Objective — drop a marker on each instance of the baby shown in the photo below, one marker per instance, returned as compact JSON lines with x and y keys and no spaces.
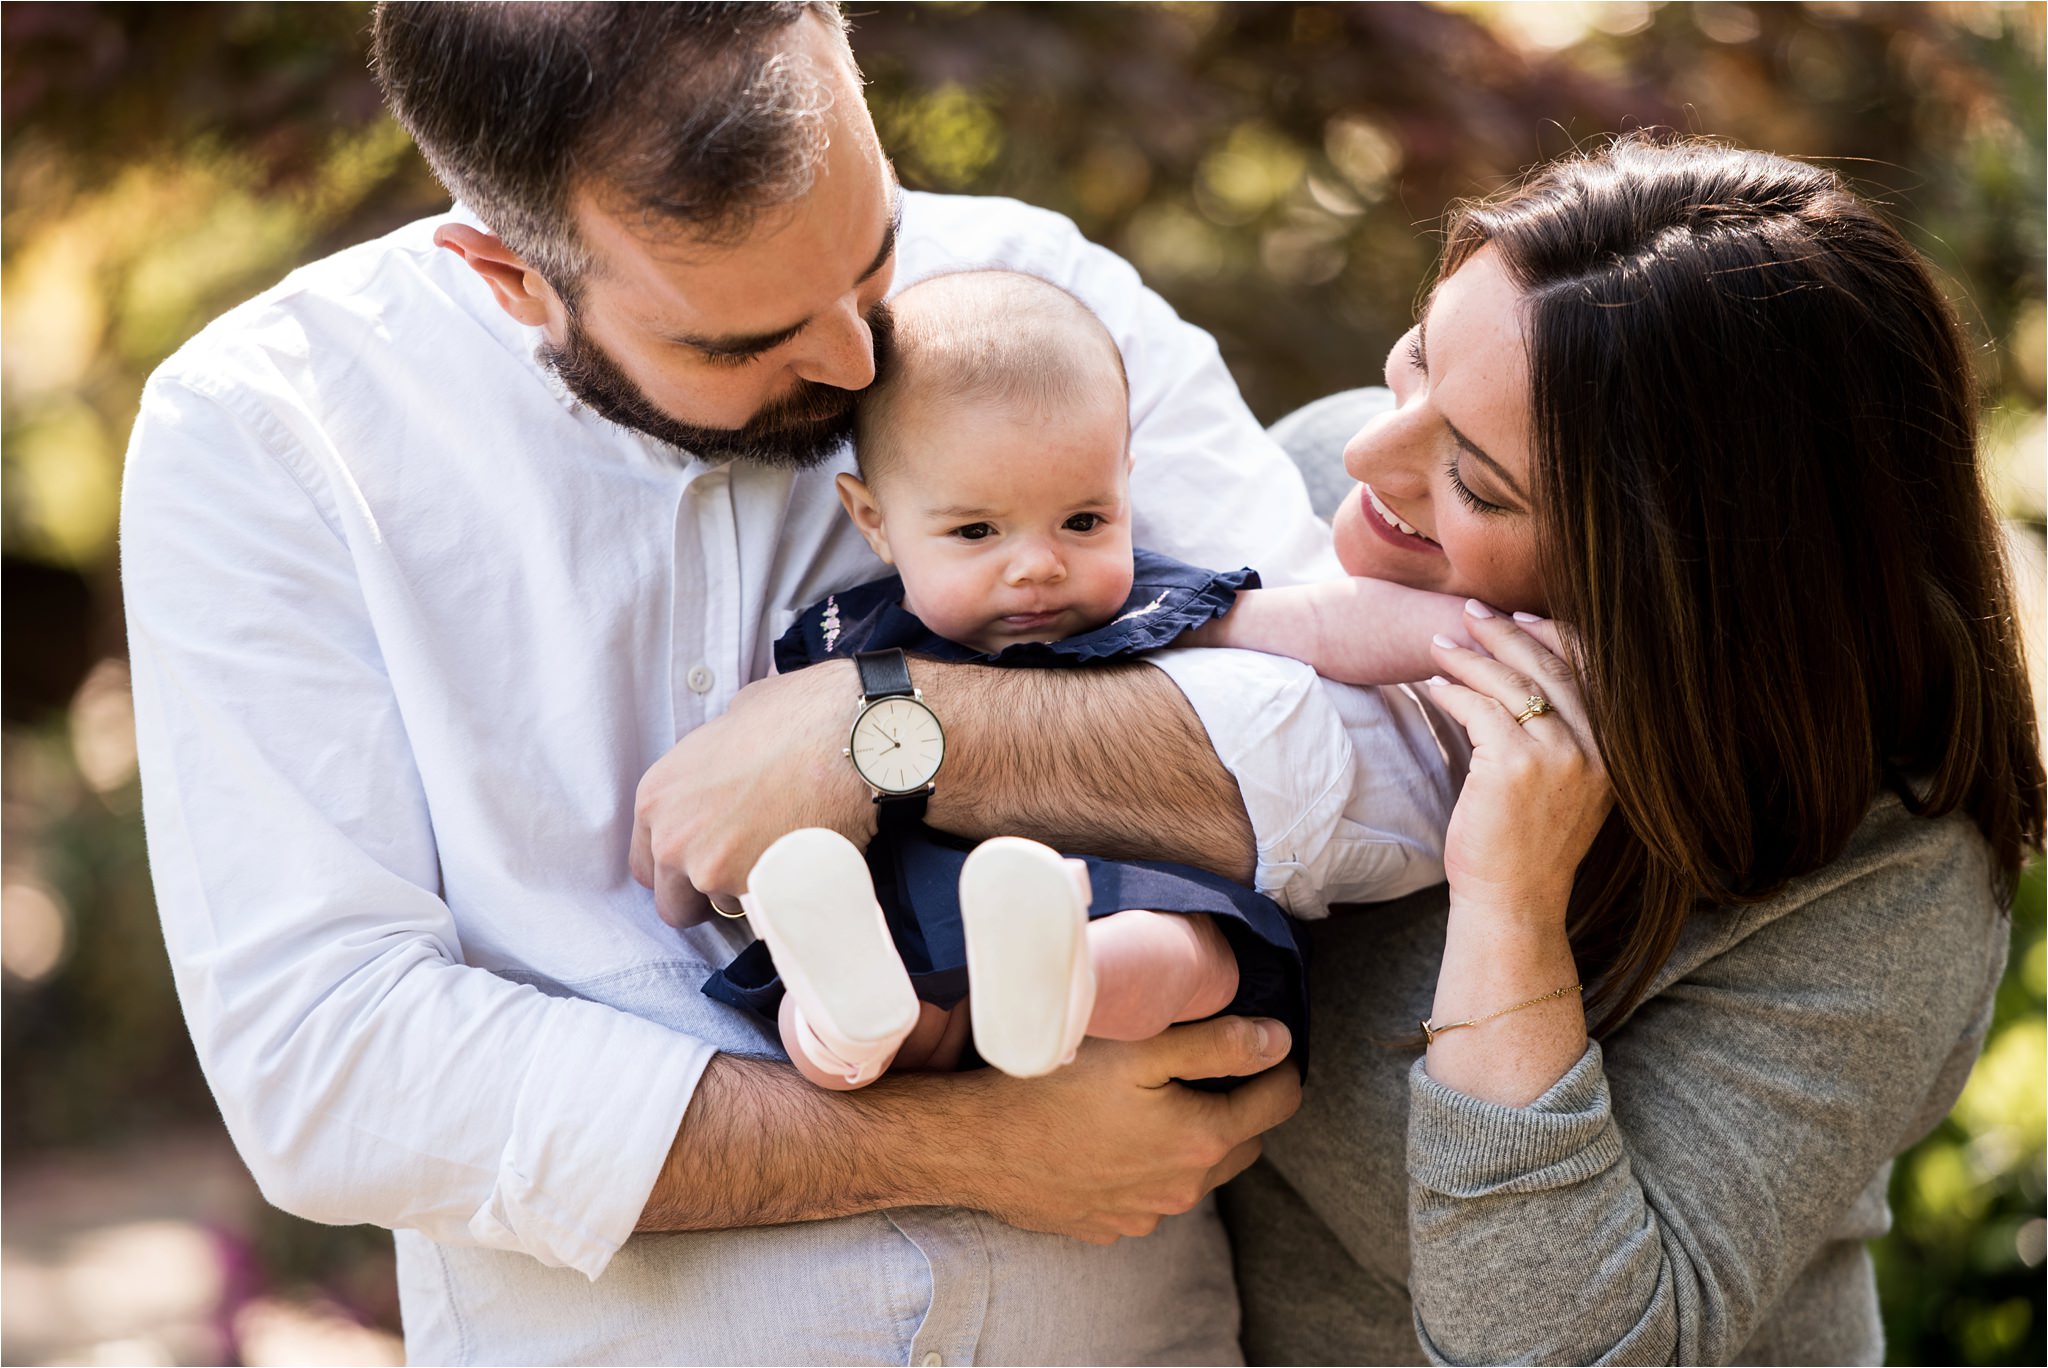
{"x":994,"y":453}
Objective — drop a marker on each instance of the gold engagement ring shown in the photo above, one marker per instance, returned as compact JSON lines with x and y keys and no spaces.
{"x":1535,"y":705}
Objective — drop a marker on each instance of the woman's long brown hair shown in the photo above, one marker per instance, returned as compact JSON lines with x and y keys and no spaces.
{"x":1761,"y":512}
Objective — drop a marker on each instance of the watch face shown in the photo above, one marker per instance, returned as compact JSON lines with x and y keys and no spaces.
{"x":897,"y":744}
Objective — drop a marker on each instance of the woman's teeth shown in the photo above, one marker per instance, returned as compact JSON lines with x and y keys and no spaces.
{"x":1388,"y":514}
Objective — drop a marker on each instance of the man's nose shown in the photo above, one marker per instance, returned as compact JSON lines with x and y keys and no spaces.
{"x":841,"y":349}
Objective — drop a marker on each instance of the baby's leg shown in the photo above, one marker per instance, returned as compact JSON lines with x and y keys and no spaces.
{"x":936,"y":1043}
{"x":1155,"y":968}
{"x":849,"y":1004}
{"x":818,"y":1065}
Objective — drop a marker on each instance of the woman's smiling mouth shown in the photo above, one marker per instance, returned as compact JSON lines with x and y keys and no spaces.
{"x":1389,"y":524}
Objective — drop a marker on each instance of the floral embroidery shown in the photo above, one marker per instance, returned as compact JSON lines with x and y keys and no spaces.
{"x":831,"y":622}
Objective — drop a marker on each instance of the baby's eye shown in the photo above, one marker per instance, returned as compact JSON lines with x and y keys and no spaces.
{"x":1084,"y":522}
{"x":973,"y":531}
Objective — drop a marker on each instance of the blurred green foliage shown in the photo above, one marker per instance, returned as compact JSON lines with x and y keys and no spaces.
{"x":1275,"y":170}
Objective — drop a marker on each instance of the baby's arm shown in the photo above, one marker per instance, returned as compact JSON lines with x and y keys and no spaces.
{"x":1357,"y":631}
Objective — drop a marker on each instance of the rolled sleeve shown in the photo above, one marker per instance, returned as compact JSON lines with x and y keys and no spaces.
{"x":1407,"y":763}
{"x":1345,"y":790}
{"x":1461,"y":1147}
{"x":364,"y":1071}
{"x":573,"y":1194}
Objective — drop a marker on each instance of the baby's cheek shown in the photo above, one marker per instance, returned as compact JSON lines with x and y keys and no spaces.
{"x":1117,"y":573}
{"x":950,"y":607}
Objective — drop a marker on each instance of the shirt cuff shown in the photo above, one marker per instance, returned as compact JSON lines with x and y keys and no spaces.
{"x":1283,"y":742}
{"x":1461,"y":1147}
{"x":596,"y":1116}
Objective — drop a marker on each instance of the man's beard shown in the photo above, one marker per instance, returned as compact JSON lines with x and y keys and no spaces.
{"x":800,"y":430}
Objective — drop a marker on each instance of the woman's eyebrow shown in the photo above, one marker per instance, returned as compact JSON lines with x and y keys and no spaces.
{"x":1470,"y":447}
{"x":1498,"y":471}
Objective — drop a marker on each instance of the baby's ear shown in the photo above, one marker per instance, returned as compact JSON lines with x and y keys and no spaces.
{"x":860,"y":505}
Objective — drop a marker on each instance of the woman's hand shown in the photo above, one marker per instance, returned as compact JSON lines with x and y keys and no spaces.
{"x":1537,"y":793}
{"x":1531,"y":806}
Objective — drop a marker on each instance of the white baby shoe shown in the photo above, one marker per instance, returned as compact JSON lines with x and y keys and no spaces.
{"x":1030,"y":980}
{"x":809,"y":896}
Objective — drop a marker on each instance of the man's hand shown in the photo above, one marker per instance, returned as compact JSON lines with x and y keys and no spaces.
{"x":706,"y":810}
{"x":1107,"y":1146}
{"x":1102,"y":1149}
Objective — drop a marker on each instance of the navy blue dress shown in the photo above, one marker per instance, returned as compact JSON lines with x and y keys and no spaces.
{"x":916,"y":870}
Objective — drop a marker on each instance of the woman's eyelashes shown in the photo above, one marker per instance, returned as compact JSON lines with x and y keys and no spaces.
{"x":1464,"y":492}
{"x":1458,"y":485}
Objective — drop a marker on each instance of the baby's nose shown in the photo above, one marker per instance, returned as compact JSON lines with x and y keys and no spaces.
{"x":1036,"y":563}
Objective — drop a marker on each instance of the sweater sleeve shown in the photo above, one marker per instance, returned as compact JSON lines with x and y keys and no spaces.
{"x":1658,"y":1200}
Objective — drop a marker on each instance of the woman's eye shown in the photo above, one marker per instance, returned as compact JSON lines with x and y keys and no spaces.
{"x":1464,"y":492}
{"x":1084,"y":522}
{"x":1415,"y":352}
{"x":973,"y":531}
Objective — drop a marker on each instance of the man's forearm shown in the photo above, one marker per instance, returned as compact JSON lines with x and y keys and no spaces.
{"x":760,"y":1146}
{"x":1098,"y":1150}
{"x":1109,"y":761}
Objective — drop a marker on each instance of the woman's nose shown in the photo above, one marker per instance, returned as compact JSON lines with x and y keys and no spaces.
{"x":1390,"y":452}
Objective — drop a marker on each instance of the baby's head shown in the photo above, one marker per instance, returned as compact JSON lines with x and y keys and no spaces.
{"x":995,"y":462}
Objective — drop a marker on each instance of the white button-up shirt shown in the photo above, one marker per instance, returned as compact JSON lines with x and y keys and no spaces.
{"x":408,"y":623}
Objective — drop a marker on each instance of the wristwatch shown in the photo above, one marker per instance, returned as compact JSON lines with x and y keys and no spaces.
{"x":897,"y":743}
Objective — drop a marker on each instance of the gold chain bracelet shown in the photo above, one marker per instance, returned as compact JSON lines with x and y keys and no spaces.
{"x":1431,"y":1031}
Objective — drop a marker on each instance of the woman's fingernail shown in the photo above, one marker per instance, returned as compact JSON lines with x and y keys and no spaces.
{"x":1445,"y":642}
{"x":1527,"y":617}
{"x":1474,"y":608}
{"x":1438,"y":681}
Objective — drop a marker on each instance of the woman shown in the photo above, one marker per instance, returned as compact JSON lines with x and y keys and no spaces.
{"x":1726,"y":906}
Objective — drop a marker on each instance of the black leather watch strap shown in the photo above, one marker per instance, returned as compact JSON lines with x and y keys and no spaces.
{"x":899,"y":811}
{"x":883,"y":674}
{"x":886,"y":674}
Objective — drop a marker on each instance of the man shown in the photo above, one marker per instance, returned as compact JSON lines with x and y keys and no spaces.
{"x":435,"y":549}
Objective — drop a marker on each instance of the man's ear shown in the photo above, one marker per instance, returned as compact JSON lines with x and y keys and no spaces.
{"x":860,"y":505}
{"x":519,"y":289}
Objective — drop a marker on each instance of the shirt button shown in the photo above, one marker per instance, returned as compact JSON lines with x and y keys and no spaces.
{"x":699,"y":679}
{"x":931,"y":1361}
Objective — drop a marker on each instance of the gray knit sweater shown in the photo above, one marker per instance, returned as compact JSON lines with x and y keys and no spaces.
{"x":1696,"y":1190}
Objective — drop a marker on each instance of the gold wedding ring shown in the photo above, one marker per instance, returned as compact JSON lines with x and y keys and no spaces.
{"x":712,"y":898}
{"x":1535,"y":705}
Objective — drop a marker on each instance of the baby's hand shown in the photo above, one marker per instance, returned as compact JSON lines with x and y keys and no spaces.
{"x":1358,"y":631}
